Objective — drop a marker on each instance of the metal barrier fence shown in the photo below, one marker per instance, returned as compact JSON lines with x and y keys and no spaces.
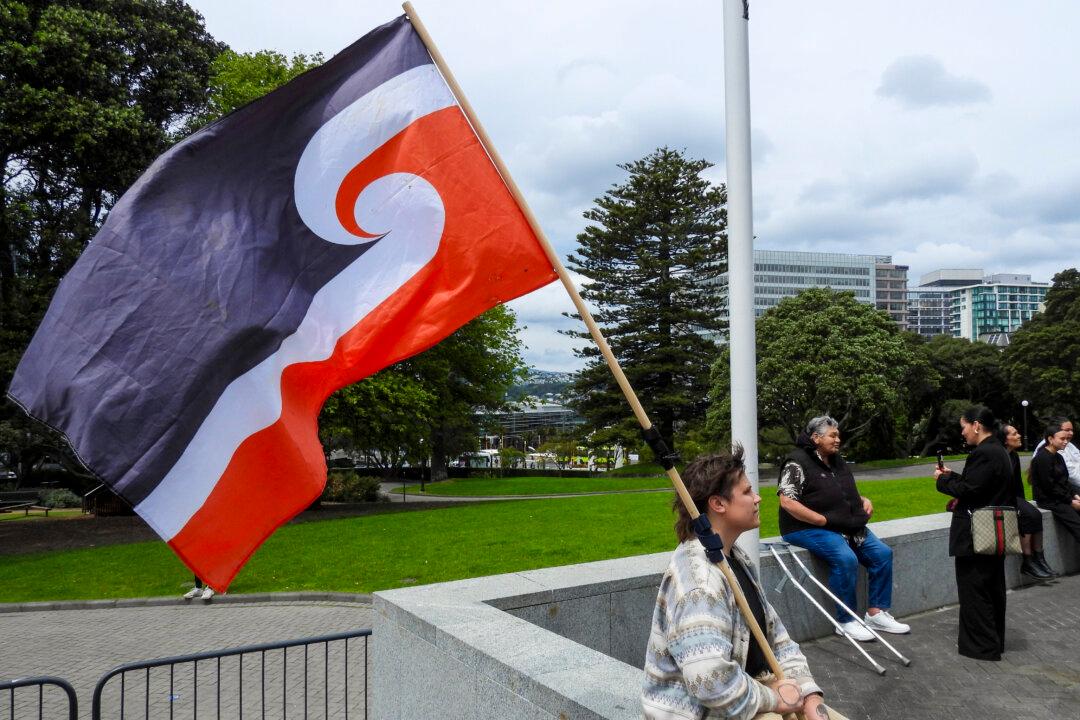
{"x":307,"y":678}
{"x":39,"y":682}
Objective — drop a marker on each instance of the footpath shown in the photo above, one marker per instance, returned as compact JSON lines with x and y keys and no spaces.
{"x":81,"y":645}
{"x":1039,"y":676}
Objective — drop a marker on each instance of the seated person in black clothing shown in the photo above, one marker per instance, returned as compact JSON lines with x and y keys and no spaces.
{"x":1031,"y":522}
{"x":1049,"y":478}
{"x":821,"y":510}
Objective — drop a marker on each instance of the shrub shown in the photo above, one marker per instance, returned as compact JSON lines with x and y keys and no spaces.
{"x":348,"y":486}
{"x":61,"y":498}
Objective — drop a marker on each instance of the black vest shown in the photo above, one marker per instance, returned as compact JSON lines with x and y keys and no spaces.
{"x":827,"y":489}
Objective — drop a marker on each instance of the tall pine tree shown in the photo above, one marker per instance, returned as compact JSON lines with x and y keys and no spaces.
{"x":653,"y":251}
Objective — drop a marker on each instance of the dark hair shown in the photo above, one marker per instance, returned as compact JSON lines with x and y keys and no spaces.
{"x":1051,"y":430}
{"x":982,"y":415}
{"x":707,"y":476}
{"x":1002,"y":434}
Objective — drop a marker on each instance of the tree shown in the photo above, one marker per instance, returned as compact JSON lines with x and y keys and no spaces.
{"x":237,"y":79}
{"x":653,"y":252}
{"x":820,"y":352}
{"x":428,"y":405}
{"x":90,"y":93}
{"x":469,"y":373}
{"x":906,"y":431}
{"x":510,"y":458}
{"x":379,"y":418}
{"x":1042,"y":362}
{"x":563,"y":446}
{"x":964,"y":371}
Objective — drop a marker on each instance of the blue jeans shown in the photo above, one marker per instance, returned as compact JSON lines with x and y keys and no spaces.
{"x":844,"y":560}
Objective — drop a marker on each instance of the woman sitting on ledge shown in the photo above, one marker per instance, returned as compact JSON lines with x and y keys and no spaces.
{"x":1049,"y":477}
{"x":1030,"y":519}
{"x":702,"y":661}
{"x":821,"y":510}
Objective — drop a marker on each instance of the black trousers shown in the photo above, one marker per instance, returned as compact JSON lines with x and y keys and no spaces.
{"x":1065,"y":514}
{"x":980,"y":584}
{"x":1029,"y":517}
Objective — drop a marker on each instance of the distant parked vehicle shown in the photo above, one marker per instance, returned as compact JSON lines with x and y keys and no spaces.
{"x":478,"y":459}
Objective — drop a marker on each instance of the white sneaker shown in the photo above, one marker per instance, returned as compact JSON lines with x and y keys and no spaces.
{"x":884,"y":622}
{"x":207,"y":593}
{"x":853,"y":629}
{"x":192,"y":593}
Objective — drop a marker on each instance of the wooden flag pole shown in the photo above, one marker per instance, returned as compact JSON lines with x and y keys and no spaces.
{"x":586,"y":316}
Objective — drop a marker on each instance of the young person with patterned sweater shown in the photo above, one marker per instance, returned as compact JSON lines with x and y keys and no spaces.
{"x":702,"y":661}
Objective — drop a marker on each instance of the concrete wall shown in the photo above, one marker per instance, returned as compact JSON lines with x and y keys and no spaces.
{"x":568,"y":642}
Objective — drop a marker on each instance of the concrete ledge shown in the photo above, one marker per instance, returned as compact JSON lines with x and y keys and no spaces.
{"x":176,"y":600}
{"x":568,"y":642}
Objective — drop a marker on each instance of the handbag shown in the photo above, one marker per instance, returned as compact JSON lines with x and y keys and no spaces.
{"x":995,"y":530}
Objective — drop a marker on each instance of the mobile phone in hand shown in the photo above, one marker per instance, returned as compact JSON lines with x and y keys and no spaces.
{"x":940,"y":462}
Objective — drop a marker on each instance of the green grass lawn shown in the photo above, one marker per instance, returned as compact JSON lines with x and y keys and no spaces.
{"x":641,"y":469}
{"x":484,"y":487}
{"x":393,"y":550}
{"x":39,"y":514}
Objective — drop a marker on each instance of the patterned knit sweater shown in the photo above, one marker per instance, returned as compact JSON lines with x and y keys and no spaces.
{"x":697,"y":648}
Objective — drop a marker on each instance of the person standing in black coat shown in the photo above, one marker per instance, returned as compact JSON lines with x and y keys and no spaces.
{"x":980,"y":579}
{"x":1049,"y":477}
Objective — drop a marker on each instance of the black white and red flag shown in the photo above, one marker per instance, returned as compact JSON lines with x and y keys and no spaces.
{"x":344,"y":222}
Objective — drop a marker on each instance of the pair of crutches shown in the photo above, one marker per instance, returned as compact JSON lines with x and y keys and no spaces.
{"x":806,"y":571}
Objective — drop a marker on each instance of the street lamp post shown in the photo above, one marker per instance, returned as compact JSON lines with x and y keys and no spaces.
{"x":1024,"y":404}
{"x":423,"y":465}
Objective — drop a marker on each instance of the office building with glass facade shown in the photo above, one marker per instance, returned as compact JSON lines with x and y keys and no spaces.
{"x":928,"y":311}
{"x":873,"y":279}
{"x":891,"y":294}
{"x":992,"y":311}
{"x":965,"y":303}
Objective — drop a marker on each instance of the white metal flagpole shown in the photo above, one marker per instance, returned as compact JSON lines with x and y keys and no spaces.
{"x":740,"y":232}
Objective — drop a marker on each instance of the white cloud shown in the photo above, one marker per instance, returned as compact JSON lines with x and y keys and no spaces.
{"x":949,"y":173}
{"x":541,"y":314}
{"x":1055,"y":202}
{"x":922,"y":81}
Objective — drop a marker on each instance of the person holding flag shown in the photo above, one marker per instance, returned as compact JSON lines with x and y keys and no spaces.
{"x":701,"y":661}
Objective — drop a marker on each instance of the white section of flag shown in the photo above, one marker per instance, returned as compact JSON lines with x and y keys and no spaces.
{"x":356,"y":132}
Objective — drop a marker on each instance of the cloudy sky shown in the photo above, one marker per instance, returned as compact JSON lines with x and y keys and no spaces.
{"x":946,"y":134}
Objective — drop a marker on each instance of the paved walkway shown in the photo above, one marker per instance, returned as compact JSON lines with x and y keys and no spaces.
{"x":1038,"y":676}
{"x":82,"y":645}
